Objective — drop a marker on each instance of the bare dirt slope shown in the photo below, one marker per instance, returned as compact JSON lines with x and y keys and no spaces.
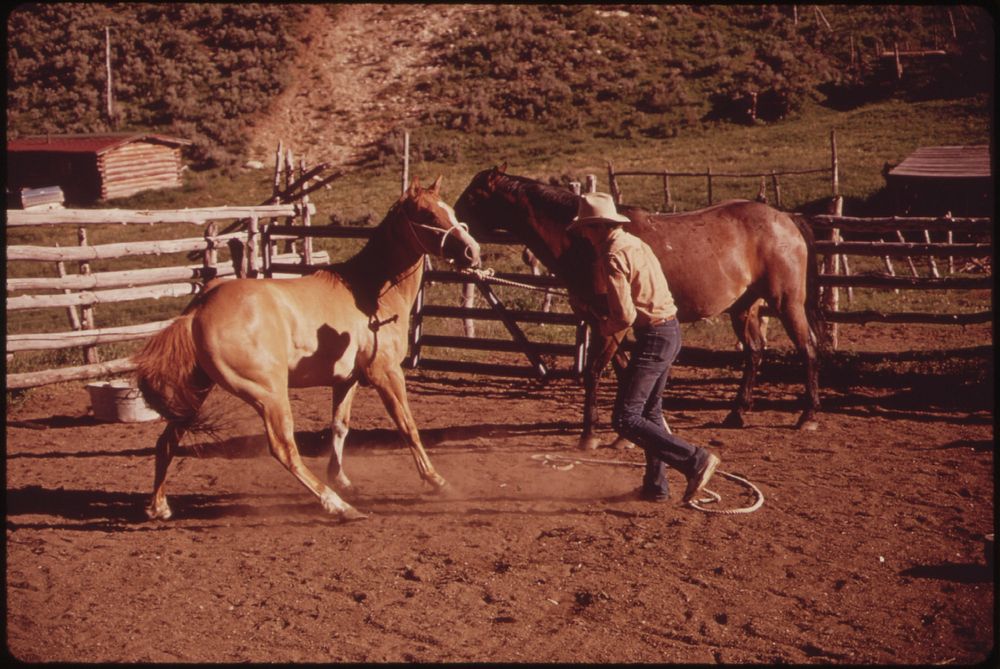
{"x":351,"y":83}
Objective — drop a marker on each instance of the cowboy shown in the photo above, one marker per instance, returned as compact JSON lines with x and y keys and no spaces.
{"x":637,"y":295}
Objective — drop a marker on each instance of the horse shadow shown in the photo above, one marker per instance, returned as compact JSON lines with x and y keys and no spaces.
{"x":95,"y":510}
{"x":951,"y":571}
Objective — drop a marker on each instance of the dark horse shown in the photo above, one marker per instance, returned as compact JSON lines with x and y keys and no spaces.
{"x":724,"y":258}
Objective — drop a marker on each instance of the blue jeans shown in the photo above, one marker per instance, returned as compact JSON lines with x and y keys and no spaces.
{"x":638,"y":412}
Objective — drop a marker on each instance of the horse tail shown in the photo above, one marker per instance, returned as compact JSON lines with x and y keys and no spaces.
{"x":169,"y":377}
{"x":814,"y":313}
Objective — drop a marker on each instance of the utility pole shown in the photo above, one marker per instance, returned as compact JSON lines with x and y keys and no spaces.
{"x":107,"y":67}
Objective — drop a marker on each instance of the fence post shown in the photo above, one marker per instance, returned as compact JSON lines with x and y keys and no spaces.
{"x":575,"y":187}
{"x":708,"y":173}
{"x":90,"y":353}
{"x":74,"y":317}
{"x":616,"y":193}
{"x":834,"y":164}
{"x":831,"y":265}
{"x":406,"y":160}
{"x":252,"y":247}
{"x":210,"y":257}
{"x":667,"y":200}
{"x":468,"y":301}
{"x":951,"y":234}
{"x":306,"y":218}
{"x":591,"y":183}
{"x":416,"y":330}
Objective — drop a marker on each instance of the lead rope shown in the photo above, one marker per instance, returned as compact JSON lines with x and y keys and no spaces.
{"x":488,"y":275}
{"x":565,"y":463}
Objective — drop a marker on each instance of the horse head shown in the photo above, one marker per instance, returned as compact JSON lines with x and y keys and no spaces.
{"x":481,"y":205}
{"x":435,"y":227}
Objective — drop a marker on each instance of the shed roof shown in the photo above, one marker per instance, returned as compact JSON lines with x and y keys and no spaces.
{"x":946,"y":162}
{"x":96,"y":144}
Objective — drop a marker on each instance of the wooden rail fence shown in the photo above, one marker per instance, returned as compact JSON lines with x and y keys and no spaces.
{"x":710,"y":176}
{"x":88,"y":289}
{"x":945,"y":226}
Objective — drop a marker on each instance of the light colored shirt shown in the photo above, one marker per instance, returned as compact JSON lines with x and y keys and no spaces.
{"x":630,"y":274}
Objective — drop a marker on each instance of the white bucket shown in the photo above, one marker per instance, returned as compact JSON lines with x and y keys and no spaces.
{"x":119,"y":402}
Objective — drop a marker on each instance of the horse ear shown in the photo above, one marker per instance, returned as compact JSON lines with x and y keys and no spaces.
{"x":436,"y":186}
{"x":414,"y":188}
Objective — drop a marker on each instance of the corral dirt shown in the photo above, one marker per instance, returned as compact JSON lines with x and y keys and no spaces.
{"x":868,"y":548}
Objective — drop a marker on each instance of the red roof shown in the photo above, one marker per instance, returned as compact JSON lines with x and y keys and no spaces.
{"x":946,"y":162}
{"x":96,"y":144}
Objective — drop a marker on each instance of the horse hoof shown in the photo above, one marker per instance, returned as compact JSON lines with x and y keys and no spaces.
{"x":809,"y":425}
{"x":159,"y":512}
{"x":734,"y":419}
{"x":351,"y":514}
{"x":589,"y":444}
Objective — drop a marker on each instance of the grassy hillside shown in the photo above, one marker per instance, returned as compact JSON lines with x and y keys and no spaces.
{"x":619,"y":72}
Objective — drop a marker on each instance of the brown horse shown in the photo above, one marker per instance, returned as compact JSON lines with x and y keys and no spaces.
{"x":724,"y":258}
{"x":346,"y":322}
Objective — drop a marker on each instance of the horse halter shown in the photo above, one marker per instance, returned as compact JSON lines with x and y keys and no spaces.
{"x":456,"y":226}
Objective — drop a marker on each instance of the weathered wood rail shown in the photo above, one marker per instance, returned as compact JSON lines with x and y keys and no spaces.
{"x":88,"y":289}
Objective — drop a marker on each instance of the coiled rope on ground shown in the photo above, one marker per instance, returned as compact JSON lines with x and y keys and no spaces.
{"x":566,"y":462}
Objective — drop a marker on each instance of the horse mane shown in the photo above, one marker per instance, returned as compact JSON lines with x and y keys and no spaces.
{"x":364,"y":272}
{"x":554,"y":201}
{"x":557,"y":204}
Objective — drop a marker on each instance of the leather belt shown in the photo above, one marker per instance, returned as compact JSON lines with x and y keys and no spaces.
{"x":660,"y":321}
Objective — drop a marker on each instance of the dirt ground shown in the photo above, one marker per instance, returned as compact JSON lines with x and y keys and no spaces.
{"x":868,"y":549}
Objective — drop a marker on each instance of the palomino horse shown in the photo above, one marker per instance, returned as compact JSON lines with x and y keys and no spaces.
{"x":346,"y":322}
{"x":724,"y":258}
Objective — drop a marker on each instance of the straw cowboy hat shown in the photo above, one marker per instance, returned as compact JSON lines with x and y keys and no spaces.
{"x":596,"y":208}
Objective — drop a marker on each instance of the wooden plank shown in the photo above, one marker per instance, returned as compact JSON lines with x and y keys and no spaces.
{"x":871,"y":316}
{"x":916,"y":283}
{"x":490,"y":369}
{"x":895,"y":249}
{"x":88,"y":298}
{"x":60,"y":340}
{"x":502,"y":345}
{"x":445,"y":311}
{"x":20,"y":217}
{"x":109,"y":251}
{"x":32,"y":379}
{"x":120,"y":279}
{"x":893,"y":223}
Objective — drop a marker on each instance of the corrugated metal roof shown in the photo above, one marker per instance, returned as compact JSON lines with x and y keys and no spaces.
{"x":946,"y":162}
{"x":96,"y":144}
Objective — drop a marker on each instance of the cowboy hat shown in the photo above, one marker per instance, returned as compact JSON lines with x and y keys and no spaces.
{"x":596,"y":208}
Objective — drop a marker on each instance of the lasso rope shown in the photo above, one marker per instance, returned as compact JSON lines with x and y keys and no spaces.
{"x":565,"y":463}
{"x":489,"y":276}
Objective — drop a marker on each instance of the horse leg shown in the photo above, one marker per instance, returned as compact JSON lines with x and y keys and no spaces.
{"x":746,"y":325}
{"x":166,"y":445}
{"x":600,"y":355}
{"x":391,"y":387}
{"x":797,"y":325}
{"x":343,"y":397}
{"x":276,"y":411}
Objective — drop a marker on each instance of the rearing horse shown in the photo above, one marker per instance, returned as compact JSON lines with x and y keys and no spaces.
{"x":723,"y":258}
{"x":258,"y":337}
